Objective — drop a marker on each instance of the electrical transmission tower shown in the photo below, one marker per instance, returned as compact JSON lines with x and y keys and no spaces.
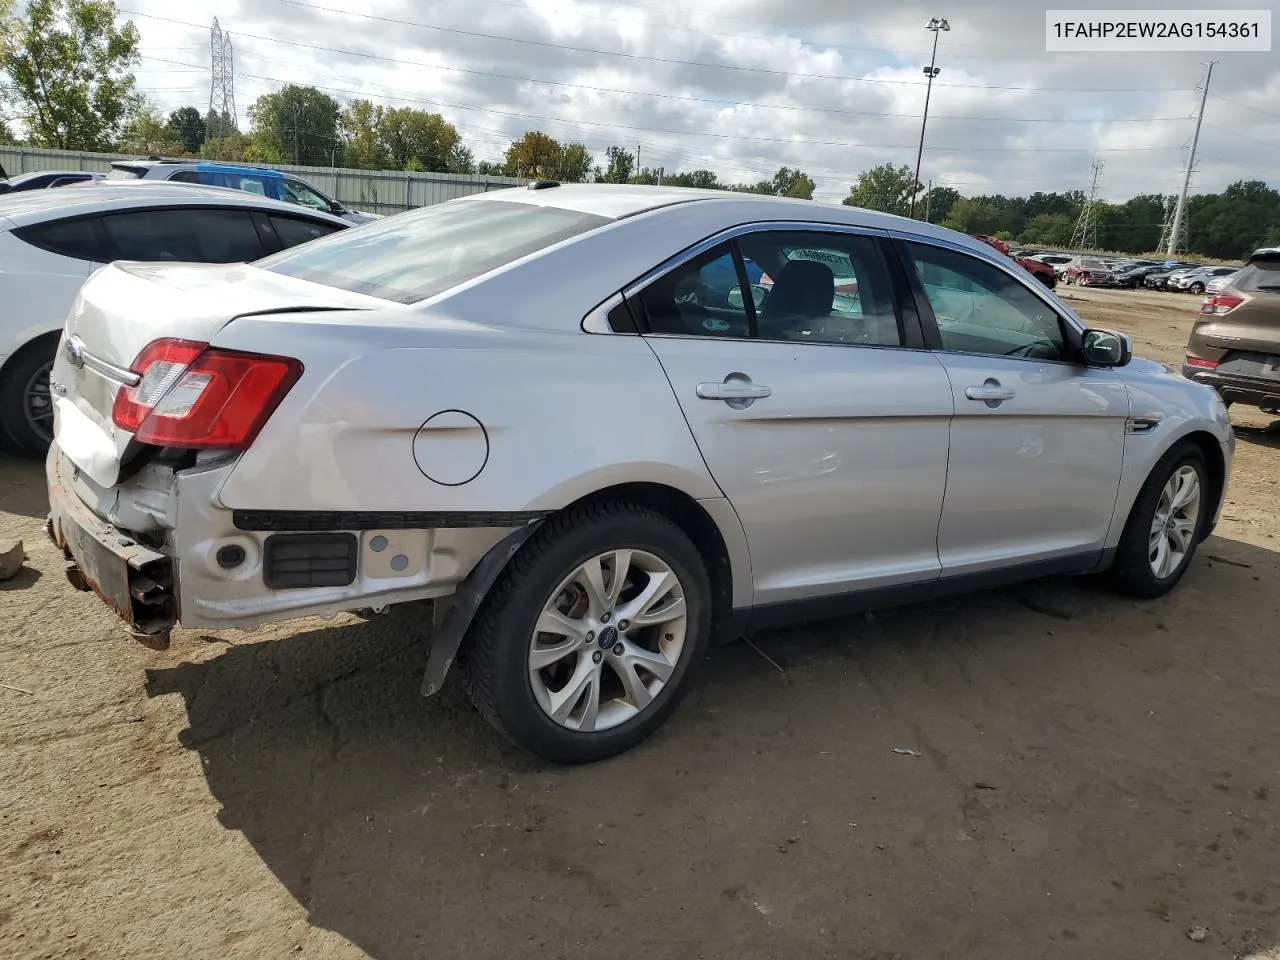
{"x":1085,"y":234}
{"x":222,"y":83}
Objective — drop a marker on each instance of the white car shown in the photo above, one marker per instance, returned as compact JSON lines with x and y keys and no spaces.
{"x":1217,"y":284}
{"x":51,"y":240}
{"x":1197,"y":281}
{"x":543,"y":409}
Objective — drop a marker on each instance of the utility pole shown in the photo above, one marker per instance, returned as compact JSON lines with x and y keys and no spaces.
{"x":661,"y":170}
{"x":937,"y":25}
{"x":1180,"y":211}
{"x":639,"y":169}
{"x":928,"y":200}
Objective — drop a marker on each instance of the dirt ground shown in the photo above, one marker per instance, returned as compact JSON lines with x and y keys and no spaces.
{"x":1096,"y":777}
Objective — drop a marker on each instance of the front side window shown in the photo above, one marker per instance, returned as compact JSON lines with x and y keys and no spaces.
{"x":187,"y":236}
{"x":294,"y":230}
{"x":419,"y":254}
{"x":295,"y":191}
{"x":981,"y":309}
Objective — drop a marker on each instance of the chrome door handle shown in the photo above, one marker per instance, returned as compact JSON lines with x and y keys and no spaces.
{"x":990,"y":393}
{"x":733,"y":390}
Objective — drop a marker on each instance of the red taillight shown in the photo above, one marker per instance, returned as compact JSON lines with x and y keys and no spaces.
{"x":192,"y":395}
{"x":1202,"y":364}
{"x":1221,"y":303}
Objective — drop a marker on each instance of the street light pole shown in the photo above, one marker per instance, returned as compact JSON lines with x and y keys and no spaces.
{"x":937,"y":25}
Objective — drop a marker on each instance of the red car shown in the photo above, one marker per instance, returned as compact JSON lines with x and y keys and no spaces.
{"x":1041,"y":271}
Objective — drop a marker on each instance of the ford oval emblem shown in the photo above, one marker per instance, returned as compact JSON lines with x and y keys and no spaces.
{"x":715,"y":324}
{"x":73,"y":350}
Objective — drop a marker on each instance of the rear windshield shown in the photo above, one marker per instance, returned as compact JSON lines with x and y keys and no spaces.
{"x":415,"y":255}
{"x":126,"y":173}
{"x":1260,"y":275}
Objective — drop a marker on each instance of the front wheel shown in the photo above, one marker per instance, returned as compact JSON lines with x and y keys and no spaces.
{"x":1165,"y":525}
{"x":588,"y":640}
{"x":1197,"y":288}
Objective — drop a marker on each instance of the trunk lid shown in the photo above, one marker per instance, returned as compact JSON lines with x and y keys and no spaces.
{"x":125,"y":306}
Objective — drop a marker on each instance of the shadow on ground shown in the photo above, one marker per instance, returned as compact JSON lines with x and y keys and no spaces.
{"x":1094,"y":776}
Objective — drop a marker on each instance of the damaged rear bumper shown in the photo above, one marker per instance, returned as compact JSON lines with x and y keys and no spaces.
{"x":133,"y":579}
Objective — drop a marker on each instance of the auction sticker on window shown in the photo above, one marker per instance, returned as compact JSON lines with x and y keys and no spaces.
{"x":1142,"y":31}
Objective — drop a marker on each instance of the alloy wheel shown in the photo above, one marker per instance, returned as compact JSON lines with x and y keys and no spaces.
{"x":1173,"y":527}
{"x":608,"y":640}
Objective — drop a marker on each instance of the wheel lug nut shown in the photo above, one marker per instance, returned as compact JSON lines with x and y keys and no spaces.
{"x":597,"y":657}
{"x":591,"y":636}
{"x":617,"y":649}
{"x":624,"y":624}
{"x":604,"y":617}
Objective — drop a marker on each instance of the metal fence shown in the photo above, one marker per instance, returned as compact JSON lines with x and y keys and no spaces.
{"x":374,"y":191}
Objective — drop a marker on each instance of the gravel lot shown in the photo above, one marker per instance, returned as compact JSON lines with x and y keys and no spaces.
{"x":1097,"y":777}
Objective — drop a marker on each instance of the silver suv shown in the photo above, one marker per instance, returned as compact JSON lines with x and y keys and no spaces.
{"x":260,"y":180}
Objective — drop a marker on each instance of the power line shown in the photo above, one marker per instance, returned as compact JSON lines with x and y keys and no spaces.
{"x":615,"y":53}
{"x":720,"y":136}
{"x":1237,"y":103}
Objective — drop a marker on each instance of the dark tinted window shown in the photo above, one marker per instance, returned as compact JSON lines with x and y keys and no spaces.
{"x":185,"y":176}
{"x":702,"y":297}
{"x":193,"y":236}
{"x":415,"y":255}
{"x":293,"y":231}
{"x":70,"y":238}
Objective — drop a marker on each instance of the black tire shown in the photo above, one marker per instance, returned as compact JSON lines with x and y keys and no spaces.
{"x":495,"y":656}
{"x":1196,"y":288}
{"x":18,"y":375}
{"x":1131,"y":572}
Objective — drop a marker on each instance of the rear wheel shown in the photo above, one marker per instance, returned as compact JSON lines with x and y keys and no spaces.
{"x":26,"y":403}
{"x":1165,"y":525}
{"x":587,"y":641}
{"x":1196,"y":288}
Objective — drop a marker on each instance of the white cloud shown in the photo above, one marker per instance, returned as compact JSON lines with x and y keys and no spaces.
{"x":747,"y":86}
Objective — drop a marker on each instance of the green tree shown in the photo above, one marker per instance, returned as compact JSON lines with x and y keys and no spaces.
{"x":407,"y":133}
{"x":534,"y":155}
{"x":68,"y":67}
{"x":1049,"y":229}
{"x":491,"y":168}
{"x":936,"y":203}
{"x":886,"y":188}
{"x":299,"y":124}
{"x":230,"y":146}
{"x":360,"y":126}
{"x":220,"y":124}
{"x":461,"y":160}
{"x":620,"y":165}
{"x":975,"y":215}
{"x":6,"y":135}
{"x":575,"y":163}
{"x":697,"y":179}
{"x":186,"y":125}
{"x":149,"y":134}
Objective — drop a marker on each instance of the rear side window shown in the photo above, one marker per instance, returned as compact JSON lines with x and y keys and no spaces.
{"x":79,"y":239}
{"x":185,"y":176}
{"x":189,"y":236}
{"x":418,"y":254}
{"x":293,"y":231}
{"x":1259,"y":276}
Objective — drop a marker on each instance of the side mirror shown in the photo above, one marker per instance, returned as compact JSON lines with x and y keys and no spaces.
{"x":336,"y":207}
{"x":1103,"y":348}
{"x":734,"y":296}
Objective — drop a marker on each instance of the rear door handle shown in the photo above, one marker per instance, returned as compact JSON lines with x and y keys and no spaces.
{"x":733,"y":390}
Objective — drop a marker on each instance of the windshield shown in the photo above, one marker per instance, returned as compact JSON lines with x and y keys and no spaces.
{"x":418,"y":254}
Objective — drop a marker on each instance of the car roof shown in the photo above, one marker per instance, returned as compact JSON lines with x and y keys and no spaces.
{"x":210,"y":165}
{"x":101,"y":196}
{"x":617,"y":201}
{"x":31,"y":174}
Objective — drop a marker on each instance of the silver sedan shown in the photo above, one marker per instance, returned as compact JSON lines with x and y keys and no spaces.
{"x":601,"y":427}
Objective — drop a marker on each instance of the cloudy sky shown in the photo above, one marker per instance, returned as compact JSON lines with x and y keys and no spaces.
{"x":743,"y":87}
